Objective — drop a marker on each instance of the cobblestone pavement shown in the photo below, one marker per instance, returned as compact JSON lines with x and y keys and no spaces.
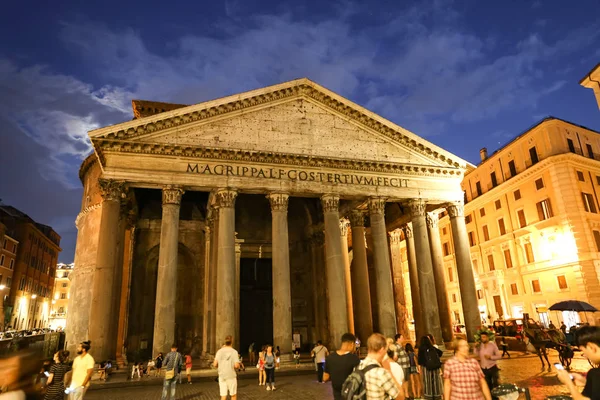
{"x":522,"y":370}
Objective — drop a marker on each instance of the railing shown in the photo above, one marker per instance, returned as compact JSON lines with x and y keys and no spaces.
{"x":45,"y":344}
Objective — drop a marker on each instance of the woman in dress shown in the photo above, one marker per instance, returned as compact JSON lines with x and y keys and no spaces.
{"x":270,"y":367}
{"x":55,"y":387}
{"x":262,"y":375}
{"x":463,"y":377}
{"x":158,"y":363}
{"x":431,"y":373}
{"x":415,"y":377}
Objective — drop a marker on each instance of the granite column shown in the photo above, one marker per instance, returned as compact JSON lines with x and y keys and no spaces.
{"x":361,"y":293}
{"x":413,"y":276}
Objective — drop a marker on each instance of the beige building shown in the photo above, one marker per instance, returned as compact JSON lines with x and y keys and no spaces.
{"x":247,"y":215}
{"x":592,"y":81}
{"x":60,"y":296}
{"x":533,"y":223}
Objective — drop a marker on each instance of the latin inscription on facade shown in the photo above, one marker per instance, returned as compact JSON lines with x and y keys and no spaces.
{"x":295,"y":175}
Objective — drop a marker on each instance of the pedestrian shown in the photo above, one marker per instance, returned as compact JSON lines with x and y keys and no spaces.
{"x":463,"y":377}
{"x":415,"y":376}
{"x":403,"y":360}
{"x":357,"y":346}
{"x":320,"y":353}
{"x":262,"y":374}
{"x":55,"y":386}
{"x":504,"y":346}
{"x":488,"y":354}
{"x":551,"y":326}
{"x":379,"y":382}
{"x":270,"y":367}
{"x":297,"y":357}
{"x":226,"y":360}
{"x":251,"y":355}
{"x":172,"y":364}
{"x":188,"y":366}
{"x":588,"y":339}
{"x":136,"y":370}
{"x":159,"y":363}
{"x":429,"y":360}
{"x":563,"y":328}
{"x":397,"y":372}
{"x":340,"y":364}
{"x":83,"y":368}
{"x":277,"y":357}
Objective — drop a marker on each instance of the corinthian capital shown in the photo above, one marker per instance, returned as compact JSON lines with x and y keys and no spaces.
{"x":456,"y":210}
{"x":357,"y":218}
{"x":279,"y":201}
{"x":344,"y":225}
{"x":112,"y":190}
{"x":376,"y":205}
{"x":432,"y":220}
{"x":330,"y":203}
{"x":395,"y":236}
{"x":225,"y":198}
{"x":417,"y":208}
{"x":407,"y":229}
{"x":171,"y":194}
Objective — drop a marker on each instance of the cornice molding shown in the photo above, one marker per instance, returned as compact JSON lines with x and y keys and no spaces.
{"x":263,"y":157}
{"x":298,"y":89}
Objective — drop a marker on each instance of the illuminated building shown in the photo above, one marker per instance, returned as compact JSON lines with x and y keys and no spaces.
{"x":60,"y":296}
{"x":27,"y":305}
{"x":592,"y":81}
{"x":532,"y":216}
{"x":8,"y":256}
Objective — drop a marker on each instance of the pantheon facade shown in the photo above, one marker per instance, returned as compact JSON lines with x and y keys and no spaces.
{"x":272,"y":215}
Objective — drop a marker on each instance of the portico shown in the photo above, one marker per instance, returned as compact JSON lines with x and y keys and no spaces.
{"x":222,"y":190}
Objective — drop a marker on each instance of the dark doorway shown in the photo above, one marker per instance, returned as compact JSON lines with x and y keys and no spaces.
{"x":256,"y":303}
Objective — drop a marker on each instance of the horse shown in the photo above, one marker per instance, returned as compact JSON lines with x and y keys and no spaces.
{"x":541,"y":340}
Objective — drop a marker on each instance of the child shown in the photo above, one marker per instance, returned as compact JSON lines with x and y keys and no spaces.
{"x":297,"y":357}
{"x":262,"y":375}
{"x":242,"y":367}
{"x":504,"y":346}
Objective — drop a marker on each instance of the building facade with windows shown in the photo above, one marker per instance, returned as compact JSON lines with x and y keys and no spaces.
{"x":592,"y":81}
{"x":60,"y":296}
{"x":8,"y":256}
{"x":533,"y":221}
{"x":28,"y":303}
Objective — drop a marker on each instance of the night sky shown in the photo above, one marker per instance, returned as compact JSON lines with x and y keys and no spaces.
{"x":462,"y":74}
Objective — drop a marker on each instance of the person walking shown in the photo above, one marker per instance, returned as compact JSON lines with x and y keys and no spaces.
{"x":320,"y":353}
{"x":277,"y":357}
{"x":379,"y":382}
{"x":270,"y":367}
{"x":429,"y":360}
{"x":173,"y":363}
{"x":251,"y":355}
{"x":488,"y":354}
{"x":403,"y":360}
{"x":226,"y":361}
{"x":159,"y":363}
{"x":504,"y":346}
{"x":83,"y":368}
{"x":188,"y":366}
{"x":415,"y":376}
{"x":262,"y":375}
{"x":55,"y":386}
{"x":297,"y":357}
{"x":463,"y":377}
{"x":340,"y":364}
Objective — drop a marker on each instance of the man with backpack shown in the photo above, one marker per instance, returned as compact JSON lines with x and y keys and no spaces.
{"x":340,"y":364}
{"x":371,"y":381}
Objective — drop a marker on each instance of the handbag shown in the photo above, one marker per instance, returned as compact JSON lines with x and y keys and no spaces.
{"x":170,"y":374}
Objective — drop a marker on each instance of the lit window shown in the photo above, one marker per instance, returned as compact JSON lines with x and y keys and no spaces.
{"x":475,"y":265}
{"x":514,"y":289}
{"x":64,"y":284}
{"x":12,"y":264}
{"x":598,"y":179}
{"x":478,"y":186}
{"x":454,"y":300}
{"x":517,"y":194}
{"x":468,"y":219}
{"x":590,"y":150}
{"x":472,"y":239}
{"x":512,"y":168}
{"x":450,"y":275}
{"x":562,"y":282}
{"x":501,"y":226}
{"x":535,"y":285}
{"x":529,"y":253}
{"x":63,"y":296}
{"x":588,"y":202}
{"x":522,"y":220}
{"x":580,"y":176}
{"x":486,"y":233}
{"x":2,"y":260}
{"x":507,"y":259}
{"x":539,"y":184}
{"x":494,"y":179}
{"x":534,"y":155}
{"x":498,"y":204}
{"x":544,"y":209}
{"x":597,"y":239}
{"x":571,"y":145}
{"x":490,"y":258}
{"x":479,"y":294}
{"x":446,"y":249}
{"x":482,"y":212}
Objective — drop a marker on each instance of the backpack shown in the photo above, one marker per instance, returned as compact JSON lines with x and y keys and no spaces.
{"x":354,"y":387}
{"x":432,"y":360}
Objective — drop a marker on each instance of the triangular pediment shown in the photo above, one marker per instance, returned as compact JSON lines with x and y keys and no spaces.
{"x":297,"y":117}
